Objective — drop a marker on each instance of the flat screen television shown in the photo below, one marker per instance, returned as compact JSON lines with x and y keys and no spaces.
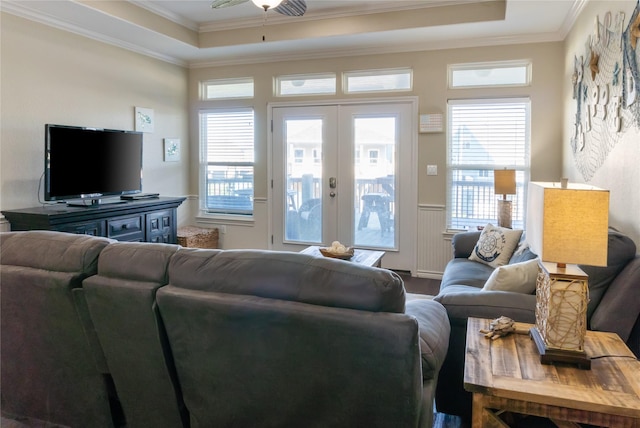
{"x":91,"y":163}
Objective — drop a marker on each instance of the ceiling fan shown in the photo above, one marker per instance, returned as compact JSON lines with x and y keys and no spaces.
{"x":284,"y":7}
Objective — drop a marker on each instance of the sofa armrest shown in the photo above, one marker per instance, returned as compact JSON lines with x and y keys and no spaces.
{"x":463,"y":243}
{"x":433,"y":329}
{"x":488,"y":304}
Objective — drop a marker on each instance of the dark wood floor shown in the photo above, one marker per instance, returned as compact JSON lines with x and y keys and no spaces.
{"x":420,"y":285}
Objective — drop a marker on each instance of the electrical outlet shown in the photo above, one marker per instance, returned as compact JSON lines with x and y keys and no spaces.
{"x":222,"y":228}
{"x":432,"y":169}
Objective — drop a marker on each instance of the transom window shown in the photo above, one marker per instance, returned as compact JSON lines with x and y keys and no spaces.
{"x":305,"y":84}
{"x":490,"y":74}
{"x":378,"y":80}
{"x":221,"y":89}
{"x":485,"y":135}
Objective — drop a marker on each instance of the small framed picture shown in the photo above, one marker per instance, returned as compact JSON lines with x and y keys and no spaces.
{"x":144,"y":119}
{"x":171,"y":149}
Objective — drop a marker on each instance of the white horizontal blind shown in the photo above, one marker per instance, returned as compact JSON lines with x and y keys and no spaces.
{"x":229,"y":136}
{"x":485,"y":135}
{"x":227,"y":140}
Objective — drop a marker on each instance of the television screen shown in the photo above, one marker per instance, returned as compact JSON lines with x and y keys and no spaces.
{"x":91,"y":163}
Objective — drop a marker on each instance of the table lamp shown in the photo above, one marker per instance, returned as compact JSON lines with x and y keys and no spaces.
{"x":567,"y":224}
{"x":504,"y":183}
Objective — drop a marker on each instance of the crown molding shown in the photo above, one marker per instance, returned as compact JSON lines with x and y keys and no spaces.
{"x":19,"y":9}
{"x":376,"y":50}
{"x":22,"y":9}
{"x":372,"y":8}
{"x":167,"y":14}
{"x":576,"y":9}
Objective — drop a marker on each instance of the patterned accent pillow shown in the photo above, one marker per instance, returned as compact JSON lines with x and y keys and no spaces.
{"x":495,"y":245}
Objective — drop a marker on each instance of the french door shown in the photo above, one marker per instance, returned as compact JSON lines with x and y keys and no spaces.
{"x":346,"y":172}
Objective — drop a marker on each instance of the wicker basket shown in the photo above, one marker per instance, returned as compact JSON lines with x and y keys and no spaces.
{"x":197,"y":237}
{"x":342,"y":256}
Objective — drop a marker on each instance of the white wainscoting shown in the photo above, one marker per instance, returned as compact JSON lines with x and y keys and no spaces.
{"x":434,"y":241}
{"x":236,"y":232}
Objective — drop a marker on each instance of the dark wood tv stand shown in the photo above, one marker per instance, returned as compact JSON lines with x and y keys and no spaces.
{"x":147,"y":220}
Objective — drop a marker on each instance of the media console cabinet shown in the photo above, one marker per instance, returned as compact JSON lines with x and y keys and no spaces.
{"x":144,"y":220}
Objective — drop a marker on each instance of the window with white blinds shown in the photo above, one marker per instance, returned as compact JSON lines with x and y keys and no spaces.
{"x":227,"y":161}
{"x":485,"y":135}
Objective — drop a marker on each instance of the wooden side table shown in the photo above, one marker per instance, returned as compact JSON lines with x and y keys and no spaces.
{"x":506,"y":375}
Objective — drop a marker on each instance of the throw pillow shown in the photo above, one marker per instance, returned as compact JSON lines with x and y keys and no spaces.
{"x":517,"y":277}
{"x":495,"y":245}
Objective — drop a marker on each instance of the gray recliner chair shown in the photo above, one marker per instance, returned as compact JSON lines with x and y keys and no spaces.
{"x":121,"y":300}
{"x":53,"y":370}
{"x":276,"y":339}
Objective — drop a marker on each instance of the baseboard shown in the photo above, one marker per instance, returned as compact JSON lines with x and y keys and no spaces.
{"x":429,"y":274}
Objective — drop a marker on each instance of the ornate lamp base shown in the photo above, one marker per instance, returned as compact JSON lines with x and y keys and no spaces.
{"x":504,"y":213}
{"x":550,"y":355}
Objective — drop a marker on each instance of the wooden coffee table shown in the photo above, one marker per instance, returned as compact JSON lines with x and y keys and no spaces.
{"x":362,"y":257}
{"x":506,"y":374}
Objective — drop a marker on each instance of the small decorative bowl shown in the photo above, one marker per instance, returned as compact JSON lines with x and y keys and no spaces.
{"x":342,"y":256}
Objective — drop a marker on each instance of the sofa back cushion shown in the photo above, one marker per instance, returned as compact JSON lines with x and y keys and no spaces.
{"x":619,"y":309}
{"x":289,"y":276}
{"x":522,"y":253}
{"x":461,"y":271}
{"x":52,"y":364}
{"x":244,"y":360}
{"x":621,"y":249}
{"x":122,"y":302}
{"x":54,"y":251}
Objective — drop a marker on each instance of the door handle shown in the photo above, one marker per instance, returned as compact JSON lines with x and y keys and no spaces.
{"x":332,"y":182}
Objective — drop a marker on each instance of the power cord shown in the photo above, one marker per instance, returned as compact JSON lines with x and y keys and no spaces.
{"x":43,"y":203}
{"x":613,"y":356}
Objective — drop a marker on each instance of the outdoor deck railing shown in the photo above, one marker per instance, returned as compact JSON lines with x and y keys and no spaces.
{"x":472,"y":203}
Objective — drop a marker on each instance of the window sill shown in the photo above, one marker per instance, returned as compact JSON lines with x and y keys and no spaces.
{"x":230,"y":219}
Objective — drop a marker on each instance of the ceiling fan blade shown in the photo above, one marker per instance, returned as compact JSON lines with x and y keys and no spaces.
{"x":292,"y":7}
{"x":219,"y":4}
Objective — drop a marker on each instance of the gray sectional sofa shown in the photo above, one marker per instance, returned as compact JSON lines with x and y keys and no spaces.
{"x":101,"y":333}
{"x":614,"y":305}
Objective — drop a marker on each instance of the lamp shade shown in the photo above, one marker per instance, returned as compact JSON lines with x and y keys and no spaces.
{"x":568,"y":225}
{"x":266,"y":4}
{"x":504,"y":181}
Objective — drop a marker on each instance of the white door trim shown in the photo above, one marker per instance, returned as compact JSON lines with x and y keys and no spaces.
{"x":412,"y":210}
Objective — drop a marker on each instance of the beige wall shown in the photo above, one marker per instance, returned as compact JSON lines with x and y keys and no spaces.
{"x":52,"y":76}
{"x":620,"y":171}
{"x":430,"y":85}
